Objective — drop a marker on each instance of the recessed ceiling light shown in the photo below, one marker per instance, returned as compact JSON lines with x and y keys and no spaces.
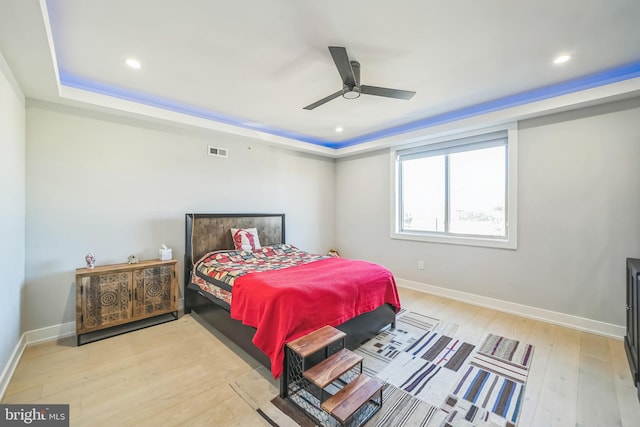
{"x":562,"y":59}
{"x":133,"y":63}
{"x":339,"y":129}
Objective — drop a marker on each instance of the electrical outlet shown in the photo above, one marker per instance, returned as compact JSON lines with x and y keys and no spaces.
{"x":421,"y":265}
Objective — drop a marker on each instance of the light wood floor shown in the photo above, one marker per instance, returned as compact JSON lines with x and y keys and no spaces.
{"x":179,"y":373}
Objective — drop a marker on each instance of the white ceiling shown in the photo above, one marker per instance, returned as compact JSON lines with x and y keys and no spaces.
{"x":250,"y":66}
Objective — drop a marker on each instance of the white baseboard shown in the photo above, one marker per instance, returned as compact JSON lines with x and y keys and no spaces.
{"x":51,"y":333}
{"x":41,"y":335}
{"x":10,"y":367}
{"x":580,"y":323}
{"x":31,"y":337}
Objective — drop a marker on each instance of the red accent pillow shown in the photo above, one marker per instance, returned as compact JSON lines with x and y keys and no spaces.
{"x":245,"y":239}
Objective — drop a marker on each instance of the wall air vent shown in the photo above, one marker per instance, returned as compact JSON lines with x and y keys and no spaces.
{"x":218,"y":152}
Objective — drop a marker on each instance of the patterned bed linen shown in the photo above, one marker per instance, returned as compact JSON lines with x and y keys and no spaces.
{"x":212,"y":289}
{"x":216,"y":272}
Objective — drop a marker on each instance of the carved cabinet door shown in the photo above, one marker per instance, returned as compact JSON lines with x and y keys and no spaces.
{"x":105,"y":300}
{"x":153,"y":291}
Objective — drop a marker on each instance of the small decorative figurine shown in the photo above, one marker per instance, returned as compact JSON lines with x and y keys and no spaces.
{"x":132,"y":259}
{"x":90,"y":259}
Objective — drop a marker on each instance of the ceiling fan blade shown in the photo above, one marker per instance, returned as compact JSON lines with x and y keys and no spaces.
{"x":323,"y":100}
{"x":384,"y":91}
{"x":339,"y":55}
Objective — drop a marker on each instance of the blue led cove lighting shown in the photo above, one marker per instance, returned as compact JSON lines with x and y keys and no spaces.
{"x":613,"y":75}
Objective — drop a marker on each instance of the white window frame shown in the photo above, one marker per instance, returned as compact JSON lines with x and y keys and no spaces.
{"x":511,"y":240}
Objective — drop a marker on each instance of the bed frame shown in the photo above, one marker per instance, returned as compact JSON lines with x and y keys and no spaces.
{"x":210,"y":232}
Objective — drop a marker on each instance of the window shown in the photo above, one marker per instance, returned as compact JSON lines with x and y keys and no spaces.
{"x":457,"y":190}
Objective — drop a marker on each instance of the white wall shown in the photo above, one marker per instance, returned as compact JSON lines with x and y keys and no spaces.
{"x":12,"y":210}
{"x":578,"y":218}
{"x":117,"y":187}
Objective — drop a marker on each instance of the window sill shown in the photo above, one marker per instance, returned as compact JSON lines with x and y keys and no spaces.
{"x":455,"y":240}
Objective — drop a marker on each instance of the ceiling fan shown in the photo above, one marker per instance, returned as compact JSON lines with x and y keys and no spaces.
{"x":351,"y":87}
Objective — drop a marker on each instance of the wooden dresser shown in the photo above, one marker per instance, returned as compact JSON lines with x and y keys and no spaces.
{"x":118,"y":298}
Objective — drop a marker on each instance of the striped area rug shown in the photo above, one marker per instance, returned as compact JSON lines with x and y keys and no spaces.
{"x":398,"y":409}
{"x":435,"y":379}
{"x":386,"y":346}
{"x":491,"y":389}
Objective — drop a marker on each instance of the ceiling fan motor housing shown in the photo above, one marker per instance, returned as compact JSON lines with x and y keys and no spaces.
{"x":352,"y":91}
{"x":351,"y":88}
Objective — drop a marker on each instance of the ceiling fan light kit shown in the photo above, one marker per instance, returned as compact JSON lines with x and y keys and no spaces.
{"x":350,"y":93}
{"x":351,"y":88}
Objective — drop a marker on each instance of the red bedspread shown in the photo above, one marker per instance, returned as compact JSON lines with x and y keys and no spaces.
{"x":286,"y":304}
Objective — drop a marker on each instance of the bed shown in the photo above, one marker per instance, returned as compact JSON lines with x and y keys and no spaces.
{"x":209,"y":233}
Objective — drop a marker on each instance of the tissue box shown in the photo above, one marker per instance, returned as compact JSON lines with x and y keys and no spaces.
{"x":165,"y":254}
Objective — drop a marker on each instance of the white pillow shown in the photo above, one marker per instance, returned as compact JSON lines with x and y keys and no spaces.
{"x":245,"y":239}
